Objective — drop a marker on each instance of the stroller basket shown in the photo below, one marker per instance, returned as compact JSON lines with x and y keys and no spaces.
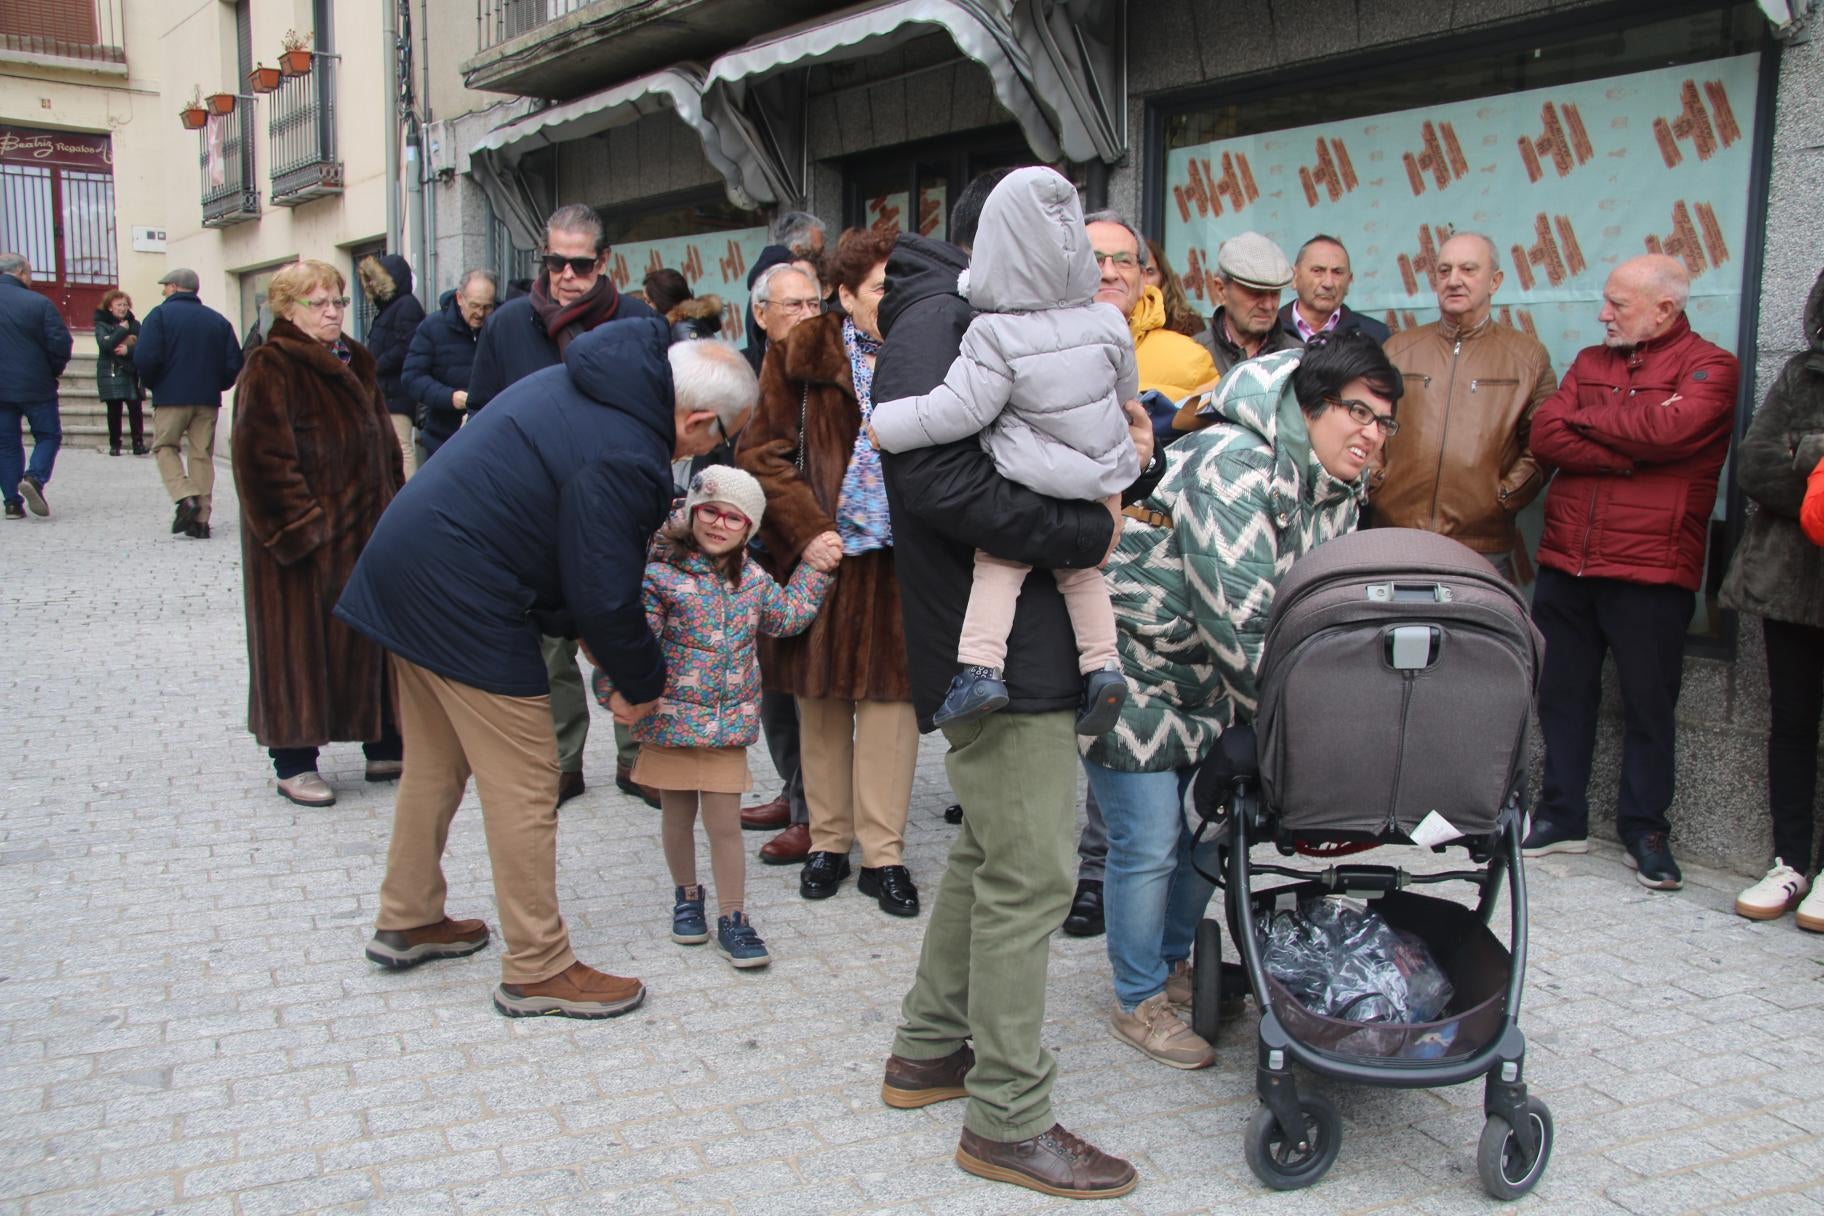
{"x":1473,"y":959}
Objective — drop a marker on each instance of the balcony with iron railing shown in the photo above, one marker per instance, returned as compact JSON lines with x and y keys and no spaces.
{"x":301,"y":135}
{"x":231,"y":192}
{"x":66,"y":33}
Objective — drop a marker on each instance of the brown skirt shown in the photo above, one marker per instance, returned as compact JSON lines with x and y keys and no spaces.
{"x":715,"y":770}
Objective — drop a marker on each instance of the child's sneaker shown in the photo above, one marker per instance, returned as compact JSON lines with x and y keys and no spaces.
{"x":738,"y":942}
{"x":1104,"y":693}
{"x":689,"y":927}
{"x":975,"y":693}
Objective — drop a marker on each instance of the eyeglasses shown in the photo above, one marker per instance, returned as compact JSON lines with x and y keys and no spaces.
{"x":327,"y":303}
{"x":1361,"y":413}
{"x":734,"y":521}
{"x":581,"y":266}
{"x":1122,"y":260}
{"x":809,"y":307}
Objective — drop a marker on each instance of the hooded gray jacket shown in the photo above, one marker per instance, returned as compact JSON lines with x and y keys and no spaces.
{"x":1044,"y":370}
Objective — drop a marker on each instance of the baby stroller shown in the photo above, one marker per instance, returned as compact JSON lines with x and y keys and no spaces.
{"x":1395,"y":682}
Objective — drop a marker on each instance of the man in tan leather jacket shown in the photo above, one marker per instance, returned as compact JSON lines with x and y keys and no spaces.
{"x":1460,"y":465}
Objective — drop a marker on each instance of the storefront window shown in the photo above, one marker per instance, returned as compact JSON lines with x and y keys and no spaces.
{"x":911,"y":189}
{"x":708,"y":240}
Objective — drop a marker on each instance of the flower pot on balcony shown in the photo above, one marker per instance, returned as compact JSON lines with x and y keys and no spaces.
{"x":194,"y":118}
{"x":220,"y":103}
{"x":263,"y":79}
{"x":295,"y":63}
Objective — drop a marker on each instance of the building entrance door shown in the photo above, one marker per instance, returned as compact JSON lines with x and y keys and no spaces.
{"x":57,"y":209}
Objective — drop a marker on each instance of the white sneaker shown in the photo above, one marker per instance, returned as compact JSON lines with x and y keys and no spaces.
{"x":1770,"y":898}
{"x":1811,"y":910}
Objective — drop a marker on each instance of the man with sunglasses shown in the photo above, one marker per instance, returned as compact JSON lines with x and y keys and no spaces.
{"x":1462,"y":465}
{"x":188,"y":356}
{"x":570,"y":297}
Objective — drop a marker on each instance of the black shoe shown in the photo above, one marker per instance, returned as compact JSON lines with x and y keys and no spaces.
{"x":569,"y":785}
{"x":1546,"y":837}
{"x":15,"y":510}
{"x":140,"y":449}
{"x":953,"y":813}
{"x":1085,"y":919}
{"x":197,"y":530}
{"x":1651,"y":858}
{"x":187,"y":511}
{"x":822,"y":874}
{"x":892,"y":886}
{"x":1104,"y":693}
{"x":113,"y":449}
{"x":975,"y":693}
{"x":32,"y":490}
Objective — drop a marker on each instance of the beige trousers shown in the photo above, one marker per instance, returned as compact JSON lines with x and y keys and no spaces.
{"x":193,"y":427}
{"x":858,"y":759}
{"x":402,"y":427}
{"x":996,"y":593}
{"x":452,"y":730}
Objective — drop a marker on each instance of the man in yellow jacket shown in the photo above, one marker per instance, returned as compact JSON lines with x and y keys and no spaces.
{"x":1167,"y":361}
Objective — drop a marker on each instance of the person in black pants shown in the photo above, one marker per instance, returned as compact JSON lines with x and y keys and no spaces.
{"x":116,"y":379}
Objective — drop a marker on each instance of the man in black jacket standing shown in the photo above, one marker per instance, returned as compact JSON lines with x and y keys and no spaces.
{"x":981,"y":975}
{"x":442,"y":356}
{"x":188,"y":357}
{"x":34,"y":348}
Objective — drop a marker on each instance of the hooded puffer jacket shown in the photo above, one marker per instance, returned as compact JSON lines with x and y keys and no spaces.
{"x":1778,"y":572}
{"x":1043,"y":368}
{"x":1245,"y":498}
{"x":388,"y":282}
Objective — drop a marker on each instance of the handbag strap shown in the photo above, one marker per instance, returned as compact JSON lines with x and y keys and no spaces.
{"x":1146,"y":515}
{"x":804,"y":404}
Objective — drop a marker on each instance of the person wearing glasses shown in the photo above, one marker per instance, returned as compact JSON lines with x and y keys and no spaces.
{"x":441,"y":358}
{"x":1167,"y":361}
{"x":1463,"y":465}
{"x":570,"y":297}
{"x":1275,"y":470}
{"x":187,"y":357}
{"x":316,"y":460}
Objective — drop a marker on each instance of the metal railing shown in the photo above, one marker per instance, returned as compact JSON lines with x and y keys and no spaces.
{"x":94,"y":31}
{"x":496,"y":21}
{"x":231,"y":192}
{"x":301,"y":134}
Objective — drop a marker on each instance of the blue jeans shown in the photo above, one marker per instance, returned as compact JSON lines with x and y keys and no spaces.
{"x":47,"y":437}
{"x":1152,"y":896}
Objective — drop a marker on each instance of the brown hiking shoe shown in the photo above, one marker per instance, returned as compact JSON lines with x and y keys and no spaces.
{"x":1054,"y":1162}
{"x":914,"y":1083}
{"x":400,"y":949}
{"x":578,"y":991}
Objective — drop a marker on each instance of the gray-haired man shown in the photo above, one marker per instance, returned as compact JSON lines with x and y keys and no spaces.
{"x":34,"y":348}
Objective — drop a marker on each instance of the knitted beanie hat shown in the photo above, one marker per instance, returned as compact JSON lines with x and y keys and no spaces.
{"x":727,"y":484}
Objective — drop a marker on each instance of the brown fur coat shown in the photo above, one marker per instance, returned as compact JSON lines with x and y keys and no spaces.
{"x":856,"y":650}
{"x":316,"y":461}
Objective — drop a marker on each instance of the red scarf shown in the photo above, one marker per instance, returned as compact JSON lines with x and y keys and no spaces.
{"x":564,"y":322}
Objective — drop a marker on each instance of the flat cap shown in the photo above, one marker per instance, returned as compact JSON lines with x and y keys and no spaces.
{"x":182,"y":279}
{"x":1253,"y":260}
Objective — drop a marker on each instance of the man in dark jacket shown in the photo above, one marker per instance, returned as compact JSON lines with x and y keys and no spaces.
{"x":571,"y":297}
{"x":442,"y":356}
{"x":796,"y":236}
{"x":387,"y":279}
{"x":187,"y":357}
{"x":981,"y":974}
{"x":1321,"y":277}
{"x":1637,"y":432}
{"x":536,"y":524}
{"x":34,"y":348}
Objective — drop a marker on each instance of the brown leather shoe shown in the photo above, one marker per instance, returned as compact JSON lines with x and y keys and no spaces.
{"x":1054,"y":1162}
{"x":400,"y":949}
{"x":788,"y":847}
{"x":578,"y":991}
{"x":768,"y":816}
{"x":623,"y":781}
{"x":569,"y":785}
{"x":913,"y":1083}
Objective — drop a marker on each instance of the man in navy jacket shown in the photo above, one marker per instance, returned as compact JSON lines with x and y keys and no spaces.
{"x":442,"y":356}
{"x":534,"y":524}
{"x":34,"y":347}
{"x":188,"y":356}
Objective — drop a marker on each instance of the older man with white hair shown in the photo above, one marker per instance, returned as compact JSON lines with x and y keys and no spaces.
{"x":537,"y":524}
{"x":1637,"y":433}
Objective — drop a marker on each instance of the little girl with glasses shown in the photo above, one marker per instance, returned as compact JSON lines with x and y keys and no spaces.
{"x":706,"y":603}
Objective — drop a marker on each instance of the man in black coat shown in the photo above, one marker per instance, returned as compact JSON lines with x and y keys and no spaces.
{"x":796,"y":236}
{"x":981,"y":974}
{"x":187,"y":357}
{"x":536,"y":523}
{"x":441,"y":358}
{"x":1321,"y":277}
{"x":387,"y":279}
{"x":34,"y":349}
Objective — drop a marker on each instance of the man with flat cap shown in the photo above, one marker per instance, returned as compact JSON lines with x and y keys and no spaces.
{"x":188,"y":357}
{"x":1251,"y":272}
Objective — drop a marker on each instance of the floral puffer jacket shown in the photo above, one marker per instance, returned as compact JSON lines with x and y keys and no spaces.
{"x":706,"y":630}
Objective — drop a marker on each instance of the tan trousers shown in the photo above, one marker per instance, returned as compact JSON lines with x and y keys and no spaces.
{"x":858,"y":759}
{"x":402,"y":427}
{"x":451,"y":730}
{"x":192,"y":426}
{"x":996,"y":593}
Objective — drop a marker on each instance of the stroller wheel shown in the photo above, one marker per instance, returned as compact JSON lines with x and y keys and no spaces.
{"x":1500,"y":1161}
{"x":1287,"y":1166}
{"x":1206,"y":981}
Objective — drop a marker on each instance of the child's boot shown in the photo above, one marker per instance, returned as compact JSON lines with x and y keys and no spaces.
{"x":975,"y":693}
{"x":1104,"y":693}
{"x":738,"y":942}
{"x":689,"y":927}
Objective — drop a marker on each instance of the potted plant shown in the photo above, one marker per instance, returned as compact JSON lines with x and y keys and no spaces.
{"x":294,"y":60}
{"x":221,"y":103}
{"x":192,"y":113}
{"x":263,"y":79}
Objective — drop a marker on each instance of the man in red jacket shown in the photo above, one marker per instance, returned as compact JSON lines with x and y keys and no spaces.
{"x":1637,"y":434}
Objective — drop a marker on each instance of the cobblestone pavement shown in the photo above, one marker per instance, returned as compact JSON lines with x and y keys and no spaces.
{"x":187,"y":1024}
